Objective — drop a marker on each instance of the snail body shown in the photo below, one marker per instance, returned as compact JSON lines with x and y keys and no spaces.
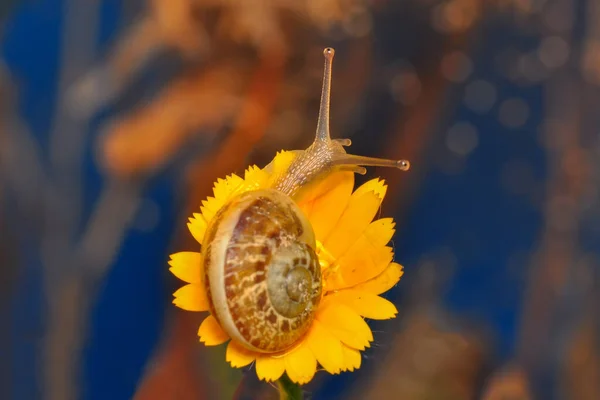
{"x":261,"y":271}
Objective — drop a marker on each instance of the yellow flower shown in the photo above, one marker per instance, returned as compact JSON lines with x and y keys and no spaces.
{"x":356,"y":266}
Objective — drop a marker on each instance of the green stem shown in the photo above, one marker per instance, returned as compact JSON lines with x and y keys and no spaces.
{"x":289,"y":390}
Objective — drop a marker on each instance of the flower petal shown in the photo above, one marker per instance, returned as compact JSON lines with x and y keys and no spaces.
{"x":191,"y":297}
{"x":301,"y":364}
{"x":360,"y":211}
{"x":279,"y":166}
{"x":367,"y":304}
{"x":352,"y":358}
{"x":187,"y":266}
{"x":224,"y":188}
{"x":325,"y":203}
{"x":384,"y":281}
{"x":269,"y":368}
{"x":345,"y":324}
{"x":374,"y":185}
{"x":211,"y":333}
{"x":254,"y":178}
{"x":209,"y":207}
{"x":380,"y":232}
{"x":197,"y":227}
{"x":367,"y":257}
{"x":361,"y":263}
{"x":238,"y":356}
{"x":326,"y":348}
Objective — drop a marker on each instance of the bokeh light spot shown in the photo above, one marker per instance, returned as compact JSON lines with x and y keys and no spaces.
{"x":456,"y":66}
{"x":462,"y":138}
{"x":480,"y":96}
{"x":513,"y":113}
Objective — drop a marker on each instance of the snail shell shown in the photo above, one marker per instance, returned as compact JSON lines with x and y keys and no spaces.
{"x":262,"y":275}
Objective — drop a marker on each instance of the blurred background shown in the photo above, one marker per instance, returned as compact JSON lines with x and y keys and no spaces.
{"x":117,"y":116}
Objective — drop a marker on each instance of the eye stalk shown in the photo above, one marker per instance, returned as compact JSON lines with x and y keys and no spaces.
{"x":323,"y":122}
{"x":324,"y":154}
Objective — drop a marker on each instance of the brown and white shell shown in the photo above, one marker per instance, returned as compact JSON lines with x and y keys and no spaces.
{"x":262,"y":275}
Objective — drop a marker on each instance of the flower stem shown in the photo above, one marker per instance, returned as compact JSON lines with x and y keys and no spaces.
{"x":289,"y":390}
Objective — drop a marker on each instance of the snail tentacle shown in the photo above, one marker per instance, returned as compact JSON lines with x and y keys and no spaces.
{"x":324,"y":154}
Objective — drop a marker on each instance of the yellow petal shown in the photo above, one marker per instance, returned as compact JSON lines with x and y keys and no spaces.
{"x":358,"y":265}
{"x":326,"y":348}
{"x":365,"y":259}
{"x":210,"y":206}
{"x":254,"y":178}
{"x":352,"y":358}
{"x":279,"y":165}
{"x":345,"y":324}
{"x":191,"y":297}
{"x":374,"y":185}
{"x":360,"y":211}
{"x":367,"y":304}
{"x":380,"y":232}
{"x":384,"y":281}
{"x":197,"y":227}
{"x":325,"y":202}
{"x":211,"y":333}
{"x":187,"y":266}
{"x":224,"y":188}
{"x":301,"y":364}
{"x":238,"y":356}
{"x":269,"y":368}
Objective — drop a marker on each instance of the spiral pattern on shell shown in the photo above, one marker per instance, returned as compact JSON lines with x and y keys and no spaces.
{"x":262,"y":275}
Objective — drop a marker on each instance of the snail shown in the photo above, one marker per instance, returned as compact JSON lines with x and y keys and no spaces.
{"x":261,"y":270}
